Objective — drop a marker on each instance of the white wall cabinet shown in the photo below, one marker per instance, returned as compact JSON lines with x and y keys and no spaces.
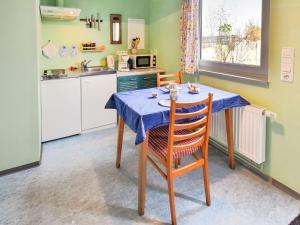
{"x":61,"y":108}
{"x":95,"y":92}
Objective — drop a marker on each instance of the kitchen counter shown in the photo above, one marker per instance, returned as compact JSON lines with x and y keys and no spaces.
{"x":73,"y":106}
{"x":136,"y":72}
{"x":79,"y":74}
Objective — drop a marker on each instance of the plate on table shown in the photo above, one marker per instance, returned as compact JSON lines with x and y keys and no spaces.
{"x":165,"y":102}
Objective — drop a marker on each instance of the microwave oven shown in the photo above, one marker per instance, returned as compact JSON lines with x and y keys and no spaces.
{"x":143,"y":61}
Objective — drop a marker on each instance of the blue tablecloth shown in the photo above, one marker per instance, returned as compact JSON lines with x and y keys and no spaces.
{"x":142,"y":113}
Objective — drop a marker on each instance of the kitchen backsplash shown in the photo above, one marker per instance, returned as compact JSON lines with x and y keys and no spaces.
{"x":71,"y":33}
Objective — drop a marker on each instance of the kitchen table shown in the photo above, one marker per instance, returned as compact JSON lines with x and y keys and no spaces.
{"x":142,"y":113}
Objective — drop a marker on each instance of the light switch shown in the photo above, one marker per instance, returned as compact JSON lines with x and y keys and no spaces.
{"x":287,"y":64}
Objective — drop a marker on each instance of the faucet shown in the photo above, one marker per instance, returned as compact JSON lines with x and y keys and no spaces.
{"x":84,"y":65}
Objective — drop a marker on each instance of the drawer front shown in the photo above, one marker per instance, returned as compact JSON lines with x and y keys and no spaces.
{"x":128,"y":83}
{"x":147,"y":81}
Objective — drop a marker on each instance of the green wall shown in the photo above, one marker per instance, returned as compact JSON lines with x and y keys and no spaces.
{"x":164,"y":32}
{"x":75,"y":32}
{"x":19,"y":84}
{"x":283,"y":154}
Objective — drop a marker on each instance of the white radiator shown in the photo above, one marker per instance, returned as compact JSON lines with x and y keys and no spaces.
{"x":249,"y":129}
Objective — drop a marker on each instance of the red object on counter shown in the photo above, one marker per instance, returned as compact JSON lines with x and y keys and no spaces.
{"x":73,"y":68}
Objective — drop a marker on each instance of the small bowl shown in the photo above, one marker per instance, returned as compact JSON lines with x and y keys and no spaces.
{"x":194,"y":89}
{"x":154,"y":94}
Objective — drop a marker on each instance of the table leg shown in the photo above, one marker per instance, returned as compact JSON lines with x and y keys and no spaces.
{"x":142,"y":176}
{"x":120,"y":141}
{"x":230,"y":142}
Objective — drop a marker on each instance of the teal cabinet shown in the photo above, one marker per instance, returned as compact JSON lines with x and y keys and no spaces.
{"x":130,"y":83}
{"x":147,"y":81}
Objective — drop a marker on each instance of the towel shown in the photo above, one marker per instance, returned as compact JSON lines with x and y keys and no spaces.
{"x":50,"y":50}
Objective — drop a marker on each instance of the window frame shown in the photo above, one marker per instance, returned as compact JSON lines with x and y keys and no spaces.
{"x":253,"y":74}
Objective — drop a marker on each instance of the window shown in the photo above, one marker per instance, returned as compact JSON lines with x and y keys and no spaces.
{"x":234,"y":38}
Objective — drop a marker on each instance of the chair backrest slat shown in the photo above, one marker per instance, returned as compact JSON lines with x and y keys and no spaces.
{"x":199,"y":142}
{"x":162,"y":76}
{"x":197,"y":133}
{"x":180,"y":116}
{"x":161,"y":79}
{"x":192,"y":104}
{"x":194,"y":124}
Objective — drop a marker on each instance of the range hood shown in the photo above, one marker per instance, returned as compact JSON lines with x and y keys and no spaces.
{"x":59,"y":12}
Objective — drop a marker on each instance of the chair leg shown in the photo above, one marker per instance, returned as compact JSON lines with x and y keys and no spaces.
{"x":177,"y":163}
{"x":206,"y":182}
{"x":172,"y":199}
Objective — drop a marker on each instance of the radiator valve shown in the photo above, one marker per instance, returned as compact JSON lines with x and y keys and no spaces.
{"x":270,"y":114}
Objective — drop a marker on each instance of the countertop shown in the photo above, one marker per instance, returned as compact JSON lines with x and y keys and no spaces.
{"x":135,"y":72}
{"x":78,"y":74}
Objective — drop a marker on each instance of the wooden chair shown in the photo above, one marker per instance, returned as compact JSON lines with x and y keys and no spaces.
{"x":180,"y":139}
{"x":165,"y":79}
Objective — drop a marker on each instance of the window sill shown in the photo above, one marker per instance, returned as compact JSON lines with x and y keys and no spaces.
{"x":236,"y":78}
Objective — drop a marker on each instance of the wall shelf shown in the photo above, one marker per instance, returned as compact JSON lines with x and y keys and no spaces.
{"x":101,"y":48}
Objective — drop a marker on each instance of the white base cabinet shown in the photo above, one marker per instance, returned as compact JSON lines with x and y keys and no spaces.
{"x":61,"y":108}
{"x":95,"y":92}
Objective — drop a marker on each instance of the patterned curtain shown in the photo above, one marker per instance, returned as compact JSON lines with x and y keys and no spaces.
{"x":190,"y":43}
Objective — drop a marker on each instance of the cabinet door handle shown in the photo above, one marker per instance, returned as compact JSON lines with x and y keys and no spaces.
{"x":146,"y":78}
{"x":132,"y":79}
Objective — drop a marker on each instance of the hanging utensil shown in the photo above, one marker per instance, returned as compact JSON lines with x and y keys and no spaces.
{"x":98,"y":21}
{"x":95,"y":23}
{"x":87,"y":22}
{"x":92,"y":18}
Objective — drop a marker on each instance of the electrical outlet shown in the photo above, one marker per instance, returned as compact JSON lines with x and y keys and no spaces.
{"x":287,"y":64}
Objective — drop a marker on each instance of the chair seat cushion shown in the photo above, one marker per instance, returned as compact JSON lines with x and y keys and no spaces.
{"x":158,"y":142}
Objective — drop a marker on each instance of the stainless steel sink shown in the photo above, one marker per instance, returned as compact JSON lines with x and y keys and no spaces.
{"x":96,"y":68}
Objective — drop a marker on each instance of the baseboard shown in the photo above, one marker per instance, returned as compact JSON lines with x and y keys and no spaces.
{"x":19,"y":168}
{"x":256,"y":170}
{"x":285,"y":189}
{"x":100,"y":128}
{"x":252,"y":166}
